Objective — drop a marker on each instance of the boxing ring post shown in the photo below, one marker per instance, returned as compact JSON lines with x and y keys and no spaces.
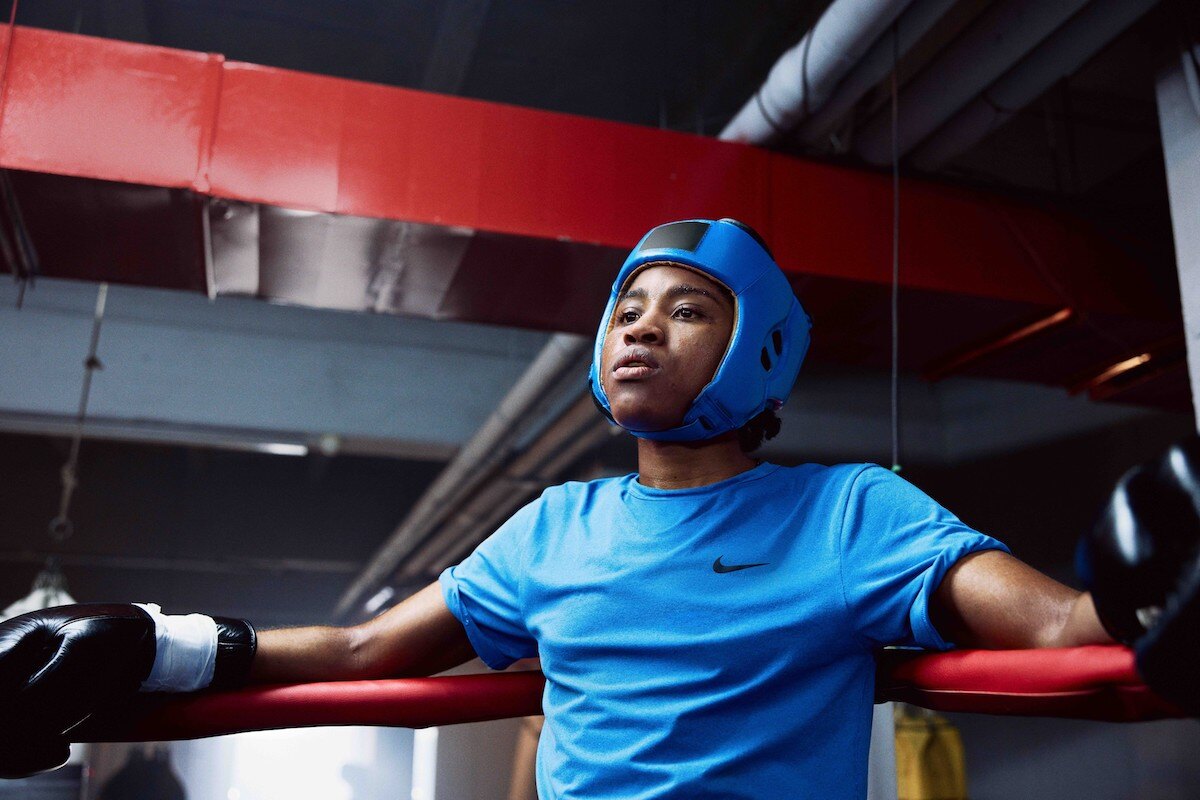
{"x":1178,"y":92}
{"x":881,"y":761}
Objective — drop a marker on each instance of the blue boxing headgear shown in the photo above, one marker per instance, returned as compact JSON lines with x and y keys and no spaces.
{"x":770,"y":330}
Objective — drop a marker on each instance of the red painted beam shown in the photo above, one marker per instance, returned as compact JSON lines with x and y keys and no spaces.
{"x":97,"y":108}
{"x":76,"y":105}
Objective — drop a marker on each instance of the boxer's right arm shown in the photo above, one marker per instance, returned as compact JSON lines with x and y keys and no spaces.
{"x":61,"y":665}
{"x":417,"y":637}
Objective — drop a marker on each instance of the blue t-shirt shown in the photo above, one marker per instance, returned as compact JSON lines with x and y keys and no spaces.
{"x":671,"y":673}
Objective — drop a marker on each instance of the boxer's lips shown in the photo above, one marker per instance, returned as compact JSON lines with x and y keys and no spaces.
{"x":635,"y":365}
{"x":634,"y":372}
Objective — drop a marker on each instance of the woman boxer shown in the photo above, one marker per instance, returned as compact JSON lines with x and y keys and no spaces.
{"x":706,"y":625}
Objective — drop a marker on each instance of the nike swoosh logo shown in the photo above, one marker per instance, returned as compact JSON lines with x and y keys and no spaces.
{"x":720,"y":568}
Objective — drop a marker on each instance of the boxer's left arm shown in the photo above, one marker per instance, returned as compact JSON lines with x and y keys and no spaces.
{"x":414,"y":638}
{"x":992,"y":600}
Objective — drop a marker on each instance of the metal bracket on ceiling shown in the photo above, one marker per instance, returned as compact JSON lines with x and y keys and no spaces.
{"x":16,"y":247}
{"x":977,"y":351}
{"x":1130,"y":371}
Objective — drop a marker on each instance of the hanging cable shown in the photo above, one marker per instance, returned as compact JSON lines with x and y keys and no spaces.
{"x":61,"y":527}
{"x":895,"y":385}
{"x":50,"y":585}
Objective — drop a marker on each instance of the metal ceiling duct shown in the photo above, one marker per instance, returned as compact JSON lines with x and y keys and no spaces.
{"x":1061,"y":54}
{"x":996,"y":40}
{"x":872,"y":68}
{"x":803,"y":78}
{"x":335,"y":261}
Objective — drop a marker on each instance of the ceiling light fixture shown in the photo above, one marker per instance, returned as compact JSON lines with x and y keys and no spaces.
{"x":981,"y":349}
{"x":282,"y":448}
{"x":1111,"y":372}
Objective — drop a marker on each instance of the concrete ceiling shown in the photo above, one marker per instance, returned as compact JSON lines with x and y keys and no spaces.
{"x":177,"y":502}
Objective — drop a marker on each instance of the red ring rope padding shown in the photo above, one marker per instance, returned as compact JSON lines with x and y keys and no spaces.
{"x":1095,"y":682}
{"x":401,"y":702}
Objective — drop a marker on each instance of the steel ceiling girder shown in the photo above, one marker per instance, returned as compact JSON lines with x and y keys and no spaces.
{"x":117,"y":111}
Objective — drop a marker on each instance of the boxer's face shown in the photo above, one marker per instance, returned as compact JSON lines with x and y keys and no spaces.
{"x":667,"y":336}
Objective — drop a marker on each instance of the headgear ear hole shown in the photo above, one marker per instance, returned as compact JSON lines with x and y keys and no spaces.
{"x":766,"y":360}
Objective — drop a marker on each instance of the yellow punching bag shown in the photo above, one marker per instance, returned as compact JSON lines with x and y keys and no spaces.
{"x":929,"y":756}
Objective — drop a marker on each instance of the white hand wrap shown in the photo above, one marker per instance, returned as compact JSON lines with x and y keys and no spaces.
{"x":185,"y":651}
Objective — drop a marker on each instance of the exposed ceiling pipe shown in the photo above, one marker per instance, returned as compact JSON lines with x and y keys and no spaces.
{"x":576,"y":431}
{"x":1061,"y":54}
{"x":461,"y":541}
{"x":591,"y":437}
{"x":556,"y":437}
{"x":497,"y":499}
{"x":872,"y":68}
{"x":562,"y":352}
{"x":804,"y":76}
{"x":997,"y":39}
{"x":454,"y":44}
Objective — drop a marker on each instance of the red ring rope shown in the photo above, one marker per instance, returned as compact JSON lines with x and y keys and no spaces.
{"x":1095,"y":682}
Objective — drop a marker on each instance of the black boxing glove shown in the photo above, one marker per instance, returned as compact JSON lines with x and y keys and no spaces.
{"x":1142,"y":563}
{"x":1168,"y":653}
{"x":60,"y":665}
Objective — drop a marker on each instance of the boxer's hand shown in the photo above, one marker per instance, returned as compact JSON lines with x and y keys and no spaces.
{"x":1142,"y":563}
{"x":59,"y":665}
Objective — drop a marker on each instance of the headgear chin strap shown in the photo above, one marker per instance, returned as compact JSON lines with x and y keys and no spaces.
{"x":770,"y":333}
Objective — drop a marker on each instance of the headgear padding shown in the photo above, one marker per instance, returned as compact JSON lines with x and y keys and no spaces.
{"x":770,"y":331}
